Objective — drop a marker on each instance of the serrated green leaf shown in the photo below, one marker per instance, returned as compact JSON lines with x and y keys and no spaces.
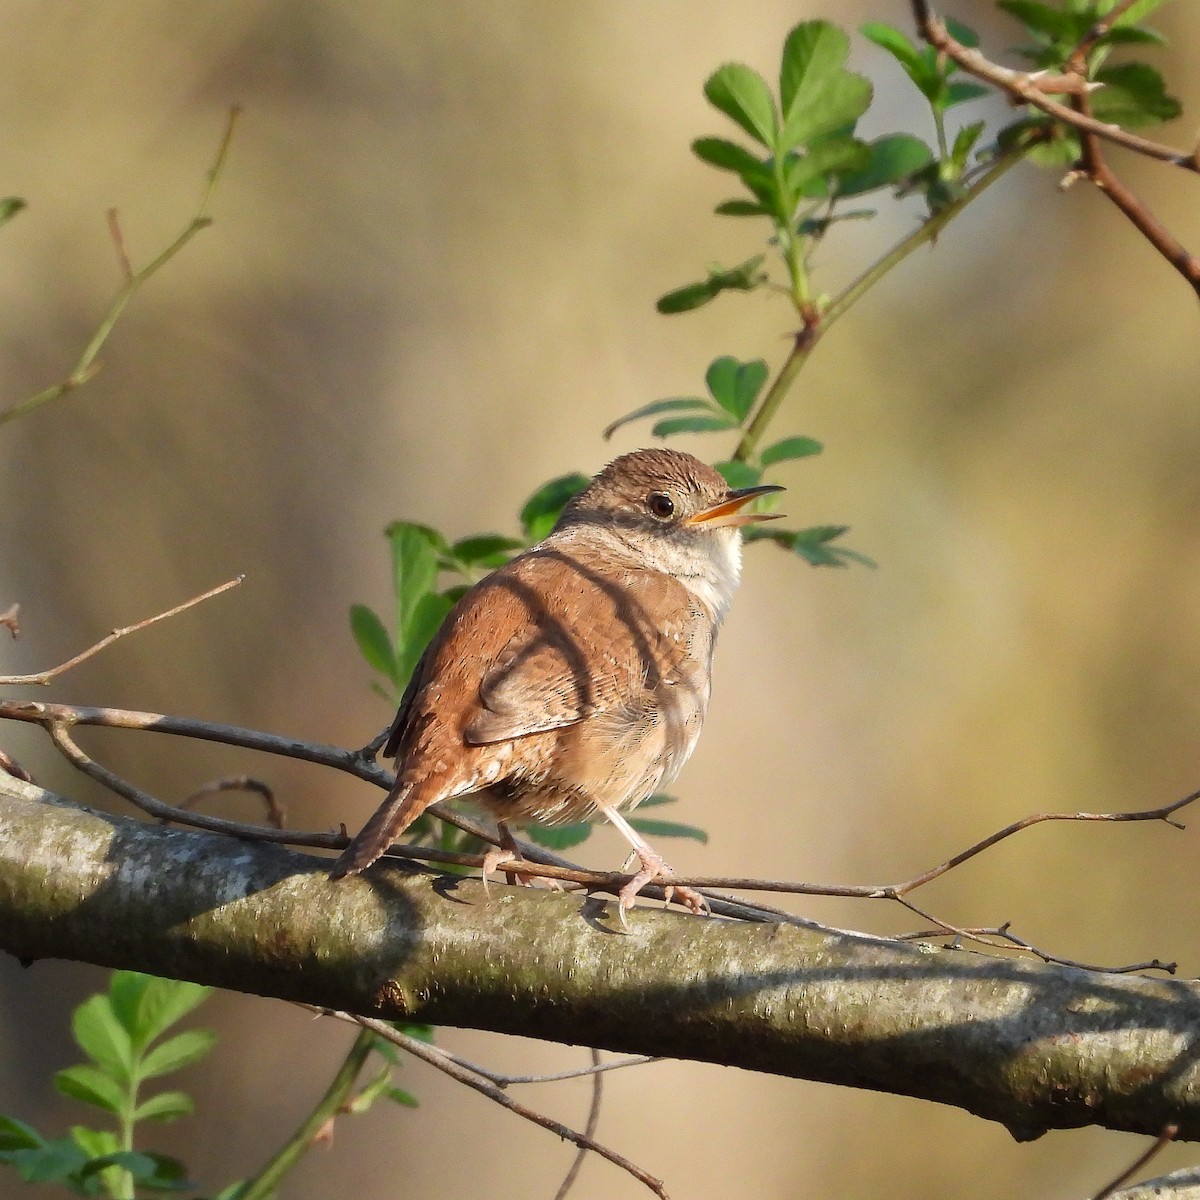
{"x":373,"y":642}
{"x":1133,"y":95}
{"x":790,"y":448}
{"x":400,"y":1096}
{"x":673,"y":404}
{"x":176,"y":1053}
{"x":560,"y":837}
{"x":9,"y":207}
{"x":16,"y":1135}
{"x":166,"y":1106}
{"x":673,"y":426}
{"x":740,"y":208}
{"x":102,"y":1037}
{"x":542,"y":509}
{"x":893,"y":159}
{"x":652,"y":827}
{"x":161,"y":1003}
{"x":91,"y":1085}
{"x":738,"y":475}
{"x":743,"y":96}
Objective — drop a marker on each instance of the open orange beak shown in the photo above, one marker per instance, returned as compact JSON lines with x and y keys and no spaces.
{"x":729,"y":512}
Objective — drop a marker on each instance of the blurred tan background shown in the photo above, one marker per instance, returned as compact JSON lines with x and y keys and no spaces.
{"x":429,"y":286}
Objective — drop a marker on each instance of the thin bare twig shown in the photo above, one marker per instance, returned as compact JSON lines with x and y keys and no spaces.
{"x":276,"y":813}
{"x":42,"y":678}
{"x":441,"y":1062}
{"x":88,"y":364}
{"x":589,"y":1130}
{"x":1159,"y":1144}
{"x":118,"y":240}
{"x":1031,"y":87}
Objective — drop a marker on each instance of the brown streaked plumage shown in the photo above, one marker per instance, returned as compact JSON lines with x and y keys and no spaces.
{"x":575,"y":679}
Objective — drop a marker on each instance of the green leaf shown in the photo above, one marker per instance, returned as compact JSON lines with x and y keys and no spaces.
{"x":55,"y":1160}
{"x":729,"y":156}
{"x":542,"y":509}
{"x":963,"y":34}
{"x":103,"y":1038}
{"x":176,"y":1053}
{"x":734,"y":385}
{"x":426,"y":620}
{"x":673,"y":426}
{"x":745,"y":277}
{"x":817,"y":94}
{"x":893,"y":159}
{"x":813,"y":545}
{"x":91,"y":1085}
{"x":964,"y":143}
{"x":154,"y":1171}
{"x":95,"y":1143}
{"x":9,"y":207}
{"x":1133,"y":95}
{"x":487,"y":549}
{"x":148,"y":1006}
{"x":371,"y":1092}
{"x":738,"y":475}
{"x":960,"y":93}
{"x":560,"y":837}
{"x":400,"y":1096}
{"x":790,"y":448}
{"x":743,"y":96}
{"x":16,"y":1135}
{"x":658,"y":799}
{"x":674,"y":404}
{"x":1056,"y":24}
{"x":673,"y":829}
{"x":373,"y":642}
{"x":416,"y":550}
{"x":166,"y":1106}
{"x":896,"y":43}
{"x":739,"y":208}
{"x":686,"y":298}
{"x":835,"y":157}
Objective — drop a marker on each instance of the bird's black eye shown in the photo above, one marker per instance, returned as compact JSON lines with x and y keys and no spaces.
{"x":661,"y":505}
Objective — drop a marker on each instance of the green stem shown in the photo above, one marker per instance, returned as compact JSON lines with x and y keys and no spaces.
{"x":87,"y":366}
{"x":812,"y":332}
{"x":266,"y":1182}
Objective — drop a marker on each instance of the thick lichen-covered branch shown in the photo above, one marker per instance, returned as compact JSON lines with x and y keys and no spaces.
{"x":1032,"y":1046}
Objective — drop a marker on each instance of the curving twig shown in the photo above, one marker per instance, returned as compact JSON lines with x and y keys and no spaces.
{"x":87,"y":365}
{"x":1159,"y":1144}
{"x":461,"y":1074}
{"x":589,"y":1130}
{"x":43,"y":678}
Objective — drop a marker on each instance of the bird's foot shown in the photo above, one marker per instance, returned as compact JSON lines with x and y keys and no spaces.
{"x":506,"y":856}
{"x":655,"y":870}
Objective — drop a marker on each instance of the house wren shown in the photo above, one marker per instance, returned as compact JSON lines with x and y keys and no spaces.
{"x":574,"y":679}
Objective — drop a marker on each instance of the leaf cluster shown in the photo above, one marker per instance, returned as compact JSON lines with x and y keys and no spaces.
{"x":123,"y":1035}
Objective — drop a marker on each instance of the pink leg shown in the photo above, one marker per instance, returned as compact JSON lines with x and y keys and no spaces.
{"x":654,"y":868}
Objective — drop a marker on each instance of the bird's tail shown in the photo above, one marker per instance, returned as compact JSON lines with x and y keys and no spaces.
{"x":405,"y":803}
